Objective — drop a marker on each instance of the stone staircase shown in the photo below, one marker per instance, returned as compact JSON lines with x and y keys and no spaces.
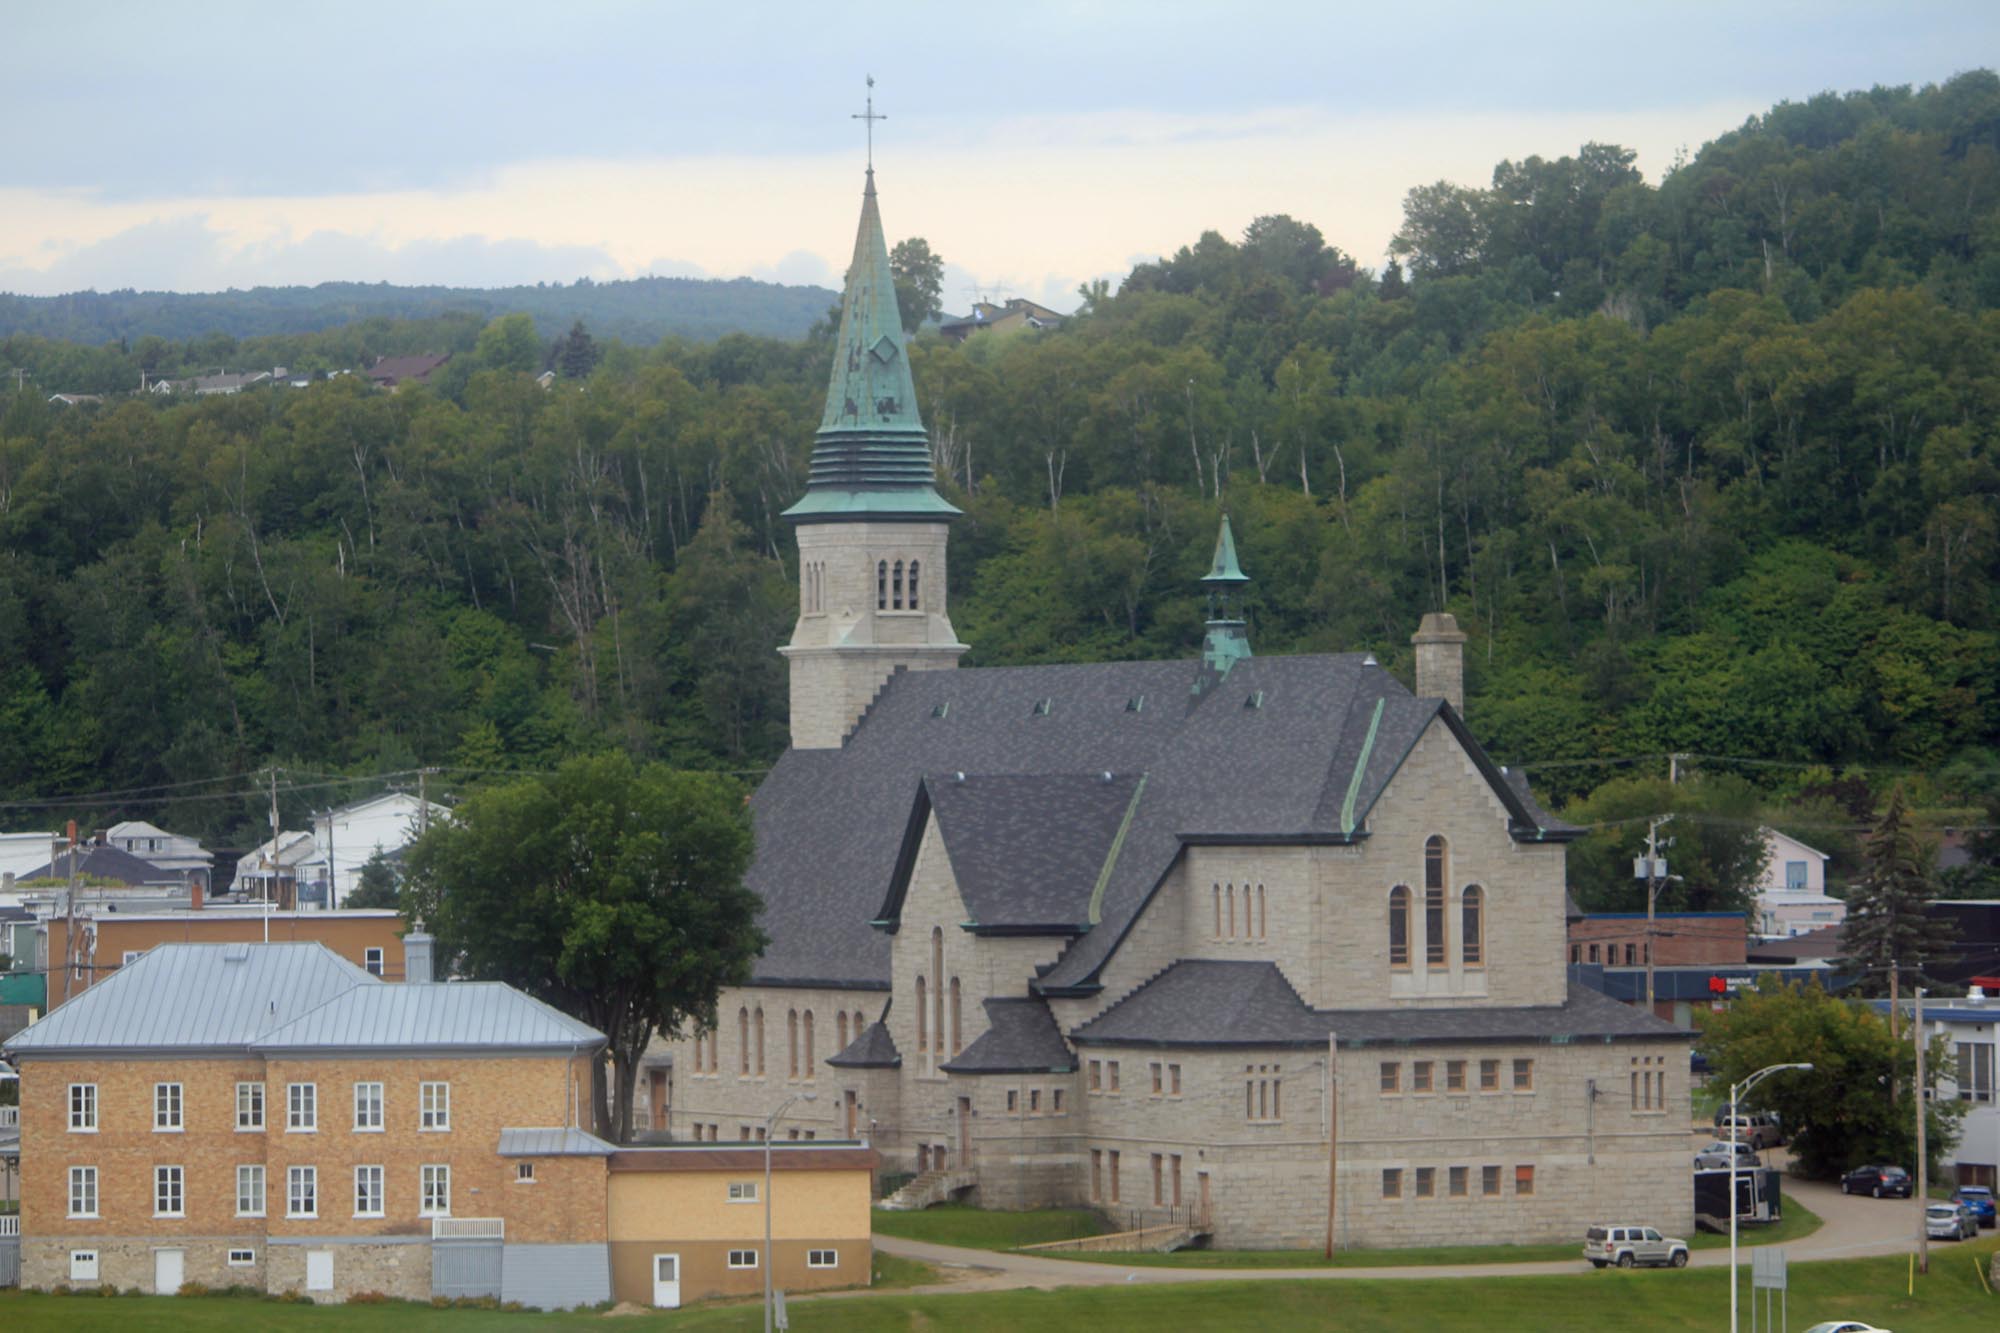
{"x":929,"y":1188}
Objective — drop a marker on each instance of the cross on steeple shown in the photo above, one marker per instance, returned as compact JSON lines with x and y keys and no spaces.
{"x":869,"y":118}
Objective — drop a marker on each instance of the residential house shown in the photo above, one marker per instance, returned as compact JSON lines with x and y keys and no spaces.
{"x":392,"y":372}
{"x":269,"y":872}
{"x":1013,"y":315}
{"x":346,"y":839}
{"x":99,"y":864}
{"x":1791,"y":893}
{"x":1124,"y":934}
{"x":174,"y":852}
{"x":76,"y":399}
{"x":1972,"y":1028}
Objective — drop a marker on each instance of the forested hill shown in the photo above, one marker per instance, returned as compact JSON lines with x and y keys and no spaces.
{"x":1708,"y":467}
{"x":638,"y":310}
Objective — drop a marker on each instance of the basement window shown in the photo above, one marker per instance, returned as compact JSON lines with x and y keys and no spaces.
{"x":242,"y":1258}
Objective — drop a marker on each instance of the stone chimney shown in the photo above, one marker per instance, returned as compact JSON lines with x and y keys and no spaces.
{"x":417,"y":948}
{"x":1440,"y":647}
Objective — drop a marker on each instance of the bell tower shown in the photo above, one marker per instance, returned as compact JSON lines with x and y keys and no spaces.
{"x":871,"y":525}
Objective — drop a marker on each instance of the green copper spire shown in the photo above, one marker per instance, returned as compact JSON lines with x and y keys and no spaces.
{"x":1228,"y":638}
{"x":871,"y":458}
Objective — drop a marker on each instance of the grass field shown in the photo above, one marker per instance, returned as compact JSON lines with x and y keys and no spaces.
{"x":1950,"y":1300}
{"x":952,"y":1224}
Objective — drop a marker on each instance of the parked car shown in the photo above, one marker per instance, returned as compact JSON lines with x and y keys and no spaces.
{"x":1758,"y":1129}
{"x":1845,"y":1326}
{"x":1627,"y":1246}
{"x":1719,"y":1153}
{"x":1949,"y":1221}
{"x":1978,"y":1201}
{"x":1891,"y":1182}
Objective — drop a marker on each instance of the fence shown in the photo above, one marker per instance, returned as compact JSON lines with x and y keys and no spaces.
{"x":10,"y":1249}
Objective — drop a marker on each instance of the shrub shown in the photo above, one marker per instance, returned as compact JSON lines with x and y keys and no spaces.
{"x":368,"y":1298}
{"x":193,"y":1289}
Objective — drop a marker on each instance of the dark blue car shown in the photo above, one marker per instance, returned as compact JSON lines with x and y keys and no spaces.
{"x":1977,"y":1200}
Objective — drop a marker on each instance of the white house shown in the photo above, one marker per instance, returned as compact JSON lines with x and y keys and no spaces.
{"x":345,"y":839}
{"x":156,"y":846}
{"x":1791,"y":896}
{"x":1972,"y":1026}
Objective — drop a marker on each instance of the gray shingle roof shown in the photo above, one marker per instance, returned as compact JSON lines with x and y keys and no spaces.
{"x":1284,"y":746}
{"x":1021,"y":1038}
{"x":195,"y":997}
{"x":559,"y":1141}
{"x":1205,"y":1002}
{"x":451,"y":1015}
{"x":873,"y":1049}
{"x":101,"y":861}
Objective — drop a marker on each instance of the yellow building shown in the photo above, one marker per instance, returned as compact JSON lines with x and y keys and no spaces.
{"x":687,"y":1223}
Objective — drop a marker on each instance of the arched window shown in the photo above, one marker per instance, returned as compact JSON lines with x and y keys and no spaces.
{"x":923,"y":1018}
{"x":1263,"y":922}
{"x":1218,"y":911}
{"x":743,"y":1041}
{"x":1434,"y":955}
{"x":812,"y":1060}
{"x":714,"y":1053}
{"x":1399,"y":927}
{"x":760,"y":1040}
{"x":1472,"y":926}
{"x":915,"y":605}
{"x":792,"y":1043}
{"x":1434,"y":866}
{"x":881,"y":585}
{"x":1229,"y":908}
{"x":896,"y":598}
{"x":937,"y":990}
{"x":840,"y":1028}
{"x":957,"y":1024}
{"x":859,"y":1025}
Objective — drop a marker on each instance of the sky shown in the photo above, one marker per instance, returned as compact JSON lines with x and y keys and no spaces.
{"x":173,"y":146}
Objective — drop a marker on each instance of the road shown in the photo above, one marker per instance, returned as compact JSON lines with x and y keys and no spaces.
{"x":1852,"y":1227}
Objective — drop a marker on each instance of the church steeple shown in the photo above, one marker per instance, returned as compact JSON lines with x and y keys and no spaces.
{"x":871,"y":457}
{"x":871,"y":526}
{"x":1227,"y":640}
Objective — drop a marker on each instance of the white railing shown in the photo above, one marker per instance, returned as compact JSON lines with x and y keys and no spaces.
{"x":468,"y":1228}
{"x":10,"y":1117}
{"x":10,"y":1224}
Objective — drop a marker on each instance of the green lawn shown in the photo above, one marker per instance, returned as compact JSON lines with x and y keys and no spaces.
{"x":979,"y":1229}
{"x":983,"y":1229}
{"x":1949,"y":1300}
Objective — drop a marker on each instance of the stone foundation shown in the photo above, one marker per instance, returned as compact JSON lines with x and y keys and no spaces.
{"x":125,"y":1261}
{"x":401,"y":1270}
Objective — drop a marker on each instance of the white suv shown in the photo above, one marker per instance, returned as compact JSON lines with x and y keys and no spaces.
{"x":1629,"y":1245}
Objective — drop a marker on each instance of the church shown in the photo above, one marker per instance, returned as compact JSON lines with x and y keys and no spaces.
{"x":1262,"y":948}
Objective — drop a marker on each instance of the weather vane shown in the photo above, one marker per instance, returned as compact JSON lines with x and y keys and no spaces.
{"x":869,"y":118}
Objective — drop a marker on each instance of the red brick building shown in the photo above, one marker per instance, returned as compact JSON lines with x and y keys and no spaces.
{"x":1678,"y":939}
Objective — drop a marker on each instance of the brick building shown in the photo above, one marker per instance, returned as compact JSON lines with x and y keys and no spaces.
{"x":1117,"y":933}
{"x":371,"y":939}
{"x":1673,"y":939}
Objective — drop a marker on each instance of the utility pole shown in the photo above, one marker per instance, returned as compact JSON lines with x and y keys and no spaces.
{"x":332,"y":866}
{"x":1923,"y":1156}
{"x":423,"y":802}
{"x":271,"y":857}
{"x":1652,"y":895}
{"x":1332,"y":1135}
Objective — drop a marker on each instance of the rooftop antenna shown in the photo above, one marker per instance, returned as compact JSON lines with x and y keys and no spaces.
{"x":868,"y":118}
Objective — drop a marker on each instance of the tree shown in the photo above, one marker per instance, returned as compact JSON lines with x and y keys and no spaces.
{"x":509,"y":343}
{"x":612,"y":891}
{"x":1716,"y":857}
{"x":919,"y":281}
{"x":378,"y":887}
{"x":1843,"y":1111}
{"x":1888,"y":933}
{"x":577,"y":353}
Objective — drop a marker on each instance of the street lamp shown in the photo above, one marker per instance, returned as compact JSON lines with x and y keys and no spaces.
{"x":1736,"y":1091}
{"x":770,"y":1129}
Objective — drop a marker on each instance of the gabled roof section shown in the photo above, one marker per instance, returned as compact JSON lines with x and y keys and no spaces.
{"x":451,"y":1016}
{"x":873,"y":1049}
{"x":554,"y":1141}
{"x":1211,"y":1003}
{"x":1027,"y":850}
{"x":1021,"y":1037}
{"x":196,"y":997}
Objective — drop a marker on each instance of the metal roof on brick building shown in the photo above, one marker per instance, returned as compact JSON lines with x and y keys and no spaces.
{"x":453,"y":1015}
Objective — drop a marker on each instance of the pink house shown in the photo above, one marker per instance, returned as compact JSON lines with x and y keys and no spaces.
{"x":1791,"y":895}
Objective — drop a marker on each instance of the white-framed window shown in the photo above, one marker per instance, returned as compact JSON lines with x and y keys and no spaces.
{"x":434,"y":1106}
{"x":83,"y":1108}
{"x":822,"y":1258}
{"x":250,"y":1191}
{"x":1795,"y":874}
{"x":249,"y":1107}
{"x":436,"y":1198}
{"x":368,"y":1191}
{"x":83,"y":1265}
{"x":167,"y":1108}
{"x":743,"y":1258}
{"x":524,"y":1173}
{"x":301,"y":1108}
{"x":371,"y":961}
{"x":83,"y":1191}
{"x":131,"y":956}
{"x":301,"y":1191}
{"x":367,"y":1108}
{"x":242,"y":1258}
{"x":743,"y":1191}
{"x":168,"y":1197}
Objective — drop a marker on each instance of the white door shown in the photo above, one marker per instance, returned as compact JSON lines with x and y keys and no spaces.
{"x":667,"y":1281}
{"x":169,"y":1267}
{"x":319,"y":1270}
